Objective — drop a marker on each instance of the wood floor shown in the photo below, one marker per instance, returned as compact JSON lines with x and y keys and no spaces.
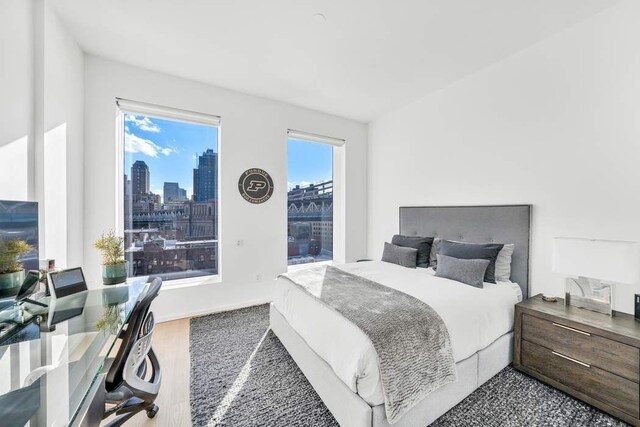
{"x":171,"y":344}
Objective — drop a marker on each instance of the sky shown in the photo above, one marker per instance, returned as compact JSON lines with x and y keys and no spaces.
{"x":309,"y":163}
{"x":170,"y":148}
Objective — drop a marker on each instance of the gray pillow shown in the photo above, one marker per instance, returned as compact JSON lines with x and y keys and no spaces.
{"x":467,"y":271}
{"x":433,"y":261}
{"x":503,"y":263}
{"x":422,"y":244}
{"x":462,"y":250}
{"x":405,"y":257}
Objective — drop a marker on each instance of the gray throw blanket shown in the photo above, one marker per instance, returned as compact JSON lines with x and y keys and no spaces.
{"x":411,"y":340}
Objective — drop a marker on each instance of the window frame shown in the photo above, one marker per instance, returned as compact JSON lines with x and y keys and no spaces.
{"x":126,"y":106}
{"x":339,"y":185}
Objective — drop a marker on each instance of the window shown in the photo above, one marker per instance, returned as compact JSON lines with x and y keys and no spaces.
{"x":310,"y":198}
{"x":170,"y":195}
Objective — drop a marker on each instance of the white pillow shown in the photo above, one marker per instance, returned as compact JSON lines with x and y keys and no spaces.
{"x":503,"y":263}
{"x":433,"y":260}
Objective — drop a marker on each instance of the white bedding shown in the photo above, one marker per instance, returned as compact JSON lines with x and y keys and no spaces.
{"x":474,"y":317}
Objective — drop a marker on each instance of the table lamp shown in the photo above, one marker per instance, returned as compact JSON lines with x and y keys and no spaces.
{"x":598,"y":264}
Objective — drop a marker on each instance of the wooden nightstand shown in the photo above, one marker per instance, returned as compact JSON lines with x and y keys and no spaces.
{"x":591,"y":356}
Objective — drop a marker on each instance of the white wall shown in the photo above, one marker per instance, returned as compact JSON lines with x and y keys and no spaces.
{"x":253,"y":134}
{"x":63,"y":177}
{"x":16,"y":99}
{"x":41,"y":123}
{"x":556,"y":125}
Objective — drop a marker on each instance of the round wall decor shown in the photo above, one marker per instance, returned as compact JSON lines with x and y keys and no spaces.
{"x":255,"y":185}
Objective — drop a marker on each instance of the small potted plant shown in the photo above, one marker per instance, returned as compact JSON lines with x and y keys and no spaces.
{"x":11,"y":269}
{"x":114,"y":266}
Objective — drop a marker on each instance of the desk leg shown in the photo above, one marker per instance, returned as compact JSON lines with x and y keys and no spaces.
{"x":93,"y":407}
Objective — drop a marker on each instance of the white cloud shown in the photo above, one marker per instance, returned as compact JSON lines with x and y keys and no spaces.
{"x":136,"y":144}
{"x":142,"y":122}
{"x":167,"y":151}
{"x":150,"y":128}
{"x":174,"y":149}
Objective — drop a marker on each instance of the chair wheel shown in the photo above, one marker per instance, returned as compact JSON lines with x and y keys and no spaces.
{"x":151,"y":412}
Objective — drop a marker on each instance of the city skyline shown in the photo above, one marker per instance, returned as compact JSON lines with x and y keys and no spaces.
{"x":162,"y":144}
{"x":170,"y":220}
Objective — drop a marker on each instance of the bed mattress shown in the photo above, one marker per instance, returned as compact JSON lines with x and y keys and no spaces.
{"x":474,"y":317}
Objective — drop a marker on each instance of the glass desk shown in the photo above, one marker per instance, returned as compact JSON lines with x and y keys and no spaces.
{"x":51,"y":358}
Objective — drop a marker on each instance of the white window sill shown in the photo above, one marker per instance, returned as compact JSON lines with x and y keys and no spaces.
{"x":191,"y":281}
{"x":297,"y":267}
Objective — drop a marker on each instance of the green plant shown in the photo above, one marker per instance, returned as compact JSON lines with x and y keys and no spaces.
{"x":10,"y":252}
{"x":111,"y":320}
{"x":112,"y":248}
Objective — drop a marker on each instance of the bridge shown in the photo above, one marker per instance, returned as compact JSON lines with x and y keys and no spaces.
{"x":311,"y":203}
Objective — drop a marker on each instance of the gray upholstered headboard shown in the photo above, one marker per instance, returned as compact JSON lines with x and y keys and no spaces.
{"x":476,"y":224}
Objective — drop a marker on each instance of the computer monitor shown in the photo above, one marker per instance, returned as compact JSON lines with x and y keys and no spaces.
{"x":66,"y":282}
{"x":19,"y":221}
{"x":27,"y":288}
{"x":28,"y":285}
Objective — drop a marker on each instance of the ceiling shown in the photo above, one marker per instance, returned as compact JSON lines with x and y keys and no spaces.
{"x":368,"y":57}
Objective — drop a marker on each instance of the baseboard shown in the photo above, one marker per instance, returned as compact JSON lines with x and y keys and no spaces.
{"x":229,"y":307}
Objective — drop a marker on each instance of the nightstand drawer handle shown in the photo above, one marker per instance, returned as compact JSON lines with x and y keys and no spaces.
{"x":571,"y":329}
{"x":571,"y":359}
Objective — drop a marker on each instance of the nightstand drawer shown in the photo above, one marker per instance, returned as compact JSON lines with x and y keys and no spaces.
{"x":592,"y":381}
{"x":609,"y":355}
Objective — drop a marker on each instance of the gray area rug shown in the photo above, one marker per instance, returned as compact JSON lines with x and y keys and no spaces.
{"x":515,"y":399}
{"x":241,"y":375}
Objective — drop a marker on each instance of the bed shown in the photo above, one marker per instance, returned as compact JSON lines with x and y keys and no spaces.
{"x":338,"y":359}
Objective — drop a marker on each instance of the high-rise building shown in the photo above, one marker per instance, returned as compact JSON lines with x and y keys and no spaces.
{"x":173,"y":193}
{"x":139,"y":178}
{"x":205,"y":177}
{"x":195,"y":185}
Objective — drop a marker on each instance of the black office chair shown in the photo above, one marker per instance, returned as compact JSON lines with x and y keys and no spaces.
{"x":127,"y":390}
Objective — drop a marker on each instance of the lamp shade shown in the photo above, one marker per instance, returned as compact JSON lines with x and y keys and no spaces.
{"x":610,"y":260}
